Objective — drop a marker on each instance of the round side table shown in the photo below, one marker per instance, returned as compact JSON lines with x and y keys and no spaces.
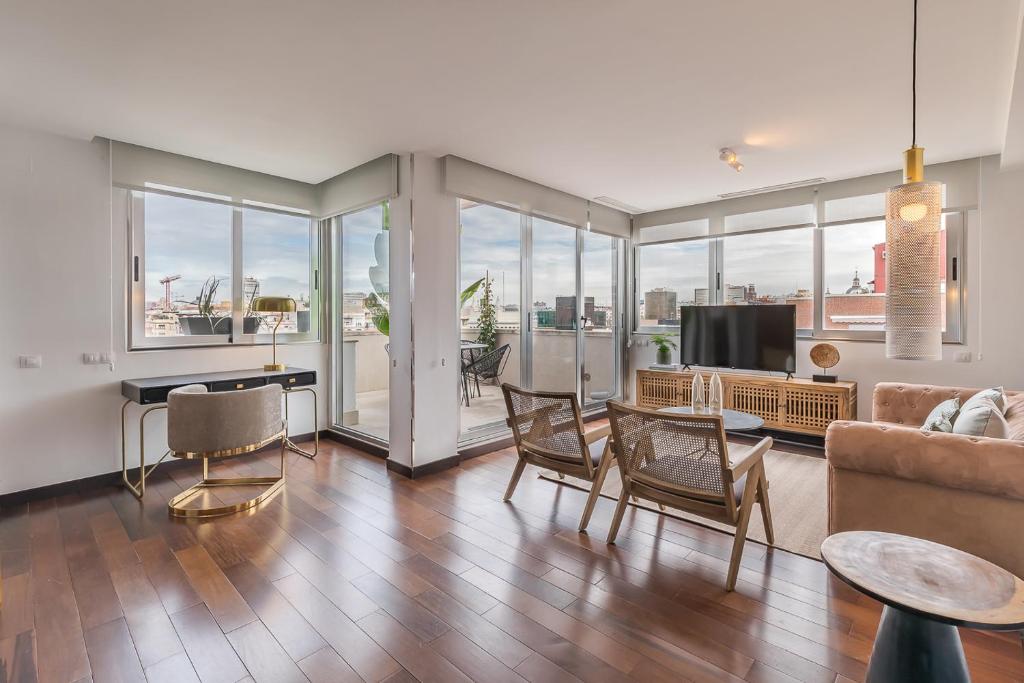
{"x":928,"y":590}
{"x":732,"y":420}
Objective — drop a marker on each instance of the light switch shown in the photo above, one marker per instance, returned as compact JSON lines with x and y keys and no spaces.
{"x":30,"y":361}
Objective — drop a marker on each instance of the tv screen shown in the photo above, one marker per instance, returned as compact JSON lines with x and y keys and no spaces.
{"x":741,"y":337}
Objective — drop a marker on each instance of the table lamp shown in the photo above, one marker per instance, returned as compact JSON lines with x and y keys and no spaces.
{"x":279,"y":305}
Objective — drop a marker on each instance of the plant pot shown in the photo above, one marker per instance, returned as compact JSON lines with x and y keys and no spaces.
{"x":250,"y":324}
{"x":664,"y":357}
{"x":204,"y":325}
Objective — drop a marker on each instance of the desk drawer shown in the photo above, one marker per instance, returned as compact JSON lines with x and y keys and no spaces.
{"x":235,"y":385}
{"x":154,"y":395}
{"x":301,"y":379}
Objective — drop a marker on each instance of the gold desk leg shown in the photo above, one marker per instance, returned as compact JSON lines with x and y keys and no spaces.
{"x":138,"y":490}
{"x":316,"y":424}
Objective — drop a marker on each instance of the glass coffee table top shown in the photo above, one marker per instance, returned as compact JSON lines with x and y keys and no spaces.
{"x":732,"y":420}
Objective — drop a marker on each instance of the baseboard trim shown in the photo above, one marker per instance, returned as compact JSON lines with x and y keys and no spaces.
{"x":417,"y":471}
{"x":99,"y":481}
{"x":353,"y":442}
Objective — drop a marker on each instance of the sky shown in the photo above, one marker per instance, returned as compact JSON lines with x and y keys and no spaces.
{"x":358,"y":234}
{"x":776,"y":262}
{"x":490,"y":242}
{"x":193,"y":239}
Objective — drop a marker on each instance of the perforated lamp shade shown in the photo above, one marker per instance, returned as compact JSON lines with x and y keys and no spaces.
{"x":913,"y":302}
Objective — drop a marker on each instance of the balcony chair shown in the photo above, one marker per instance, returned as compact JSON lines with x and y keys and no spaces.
{"x":683,"y":461}
{"x":206,"y":426}
{"x":547,"y":427}
{"x":486,"y":366}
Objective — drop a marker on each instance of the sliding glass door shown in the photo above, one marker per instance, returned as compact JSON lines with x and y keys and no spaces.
{"x":554,"y":314}
{"x":361,"y":321}
{"x":601,"y":318}
{"x":521,"y":281}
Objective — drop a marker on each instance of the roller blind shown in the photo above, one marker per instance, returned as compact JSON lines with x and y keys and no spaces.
{"x":370,"y":183}
{"x":138,"y":168}
{"x":470,"y":180}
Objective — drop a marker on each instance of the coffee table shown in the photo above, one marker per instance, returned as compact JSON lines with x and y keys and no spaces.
{"x":732,"y":420}
{"x":928,"y":590}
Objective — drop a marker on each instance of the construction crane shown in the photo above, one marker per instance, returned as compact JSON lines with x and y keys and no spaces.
{"x":166,"y":282}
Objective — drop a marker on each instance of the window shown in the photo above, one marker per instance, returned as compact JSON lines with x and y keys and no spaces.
{"x":786,"y":276}
{"x":185,"y":290}
{"x":834,"y":273}
{"x":671,"y":275}
{"x":276,"y":261}
{"x":854,"y":277}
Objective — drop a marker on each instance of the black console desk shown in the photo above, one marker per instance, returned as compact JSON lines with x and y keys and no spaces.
{"x":152,"y":393}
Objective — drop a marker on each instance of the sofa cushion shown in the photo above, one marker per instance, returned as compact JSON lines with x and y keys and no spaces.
{"x":981,"y":418}
{"x":996,"y":394}
{"x":1015,"y":415}
{"x":942,"y":416}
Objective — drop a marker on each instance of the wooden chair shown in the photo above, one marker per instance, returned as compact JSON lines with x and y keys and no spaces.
{"x":547,"y":427}
{"x":683,"y":461}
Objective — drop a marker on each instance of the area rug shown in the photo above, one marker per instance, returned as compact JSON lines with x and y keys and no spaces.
{"x":796,"y":488}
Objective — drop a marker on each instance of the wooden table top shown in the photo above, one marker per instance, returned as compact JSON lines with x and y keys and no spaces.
{"x":732,"y":420}
{"x":927,"y":579}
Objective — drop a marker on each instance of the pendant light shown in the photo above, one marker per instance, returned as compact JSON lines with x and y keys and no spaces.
{"x":913,"y":216}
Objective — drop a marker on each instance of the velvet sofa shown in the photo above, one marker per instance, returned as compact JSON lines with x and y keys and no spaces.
{"x":963,"y":491}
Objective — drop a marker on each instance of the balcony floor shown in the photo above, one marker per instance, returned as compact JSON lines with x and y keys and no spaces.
{"x":483,"y":411}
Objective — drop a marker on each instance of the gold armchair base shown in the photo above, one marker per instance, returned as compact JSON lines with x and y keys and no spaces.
{"x":176,"y":505}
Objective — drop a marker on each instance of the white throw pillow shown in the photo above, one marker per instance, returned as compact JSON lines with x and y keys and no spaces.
{"x":996,"y":394}
{"x":982,"y":418}
{"x":942,"y":416}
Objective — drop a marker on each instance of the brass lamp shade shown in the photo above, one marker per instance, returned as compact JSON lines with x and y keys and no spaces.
{"x":274,"y":304}
{"x":279,"y":305}
{"x":913,"y":302}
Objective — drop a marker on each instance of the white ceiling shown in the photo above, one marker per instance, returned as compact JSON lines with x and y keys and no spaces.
{"x":596,"y":97}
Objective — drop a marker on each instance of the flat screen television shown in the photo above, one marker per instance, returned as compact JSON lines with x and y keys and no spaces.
{"x":758,"y":337}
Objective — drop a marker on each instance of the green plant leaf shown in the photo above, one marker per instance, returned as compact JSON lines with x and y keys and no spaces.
{"x":468,"y":292}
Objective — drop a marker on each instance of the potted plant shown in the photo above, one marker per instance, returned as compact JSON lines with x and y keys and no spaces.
{"x":206,"y":321}
{"x":665,"y":347}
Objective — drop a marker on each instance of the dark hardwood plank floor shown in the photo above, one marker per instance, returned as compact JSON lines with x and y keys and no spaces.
{"x":354,"y":573}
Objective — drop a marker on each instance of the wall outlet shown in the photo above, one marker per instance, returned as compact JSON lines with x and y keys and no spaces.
{"x":102,"y":358}
{"x":962,"y":357}
{"x":30,"y":361}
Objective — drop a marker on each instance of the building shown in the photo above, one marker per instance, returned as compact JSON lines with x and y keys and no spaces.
{"x":660,"y":304}
{"x":565,"y":311}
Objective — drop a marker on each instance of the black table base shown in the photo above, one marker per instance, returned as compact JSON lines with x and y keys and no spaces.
{"x":913,"y":649}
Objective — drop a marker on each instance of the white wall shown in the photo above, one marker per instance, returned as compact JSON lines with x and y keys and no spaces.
{"x":61,"y":265}
{"x":995,"y":308}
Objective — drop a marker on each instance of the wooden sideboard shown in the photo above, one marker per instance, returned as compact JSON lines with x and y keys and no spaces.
{"x":790,"y":405}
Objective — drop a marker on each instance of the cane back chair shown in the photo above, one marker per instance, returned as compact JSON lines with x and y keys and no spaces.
{"x":202,"y":425}
{"x":683,"y":461}
{"x":547,"y":427}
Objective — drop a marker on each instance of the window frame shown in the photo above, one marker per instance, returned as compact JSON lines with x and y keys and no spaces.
{"x":135,"y":269}
{"x":956,"y":289}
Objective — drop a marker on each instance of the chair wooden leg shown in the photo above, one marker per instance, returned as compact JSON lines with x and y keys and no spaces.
{"x":516,"y":474}
{"x":746,"y":507}
{"x":766,"y":510}
{"x":620,"y":510}
{"x":595,"y":488}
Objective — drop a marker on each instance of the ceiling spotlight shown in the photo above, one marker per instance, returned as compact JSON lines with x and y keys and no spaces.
{"x":729,"y":157}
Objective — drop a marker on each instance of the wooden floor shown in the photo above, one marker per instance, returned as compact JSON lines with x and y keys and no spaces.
{"x":353,"y":573}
